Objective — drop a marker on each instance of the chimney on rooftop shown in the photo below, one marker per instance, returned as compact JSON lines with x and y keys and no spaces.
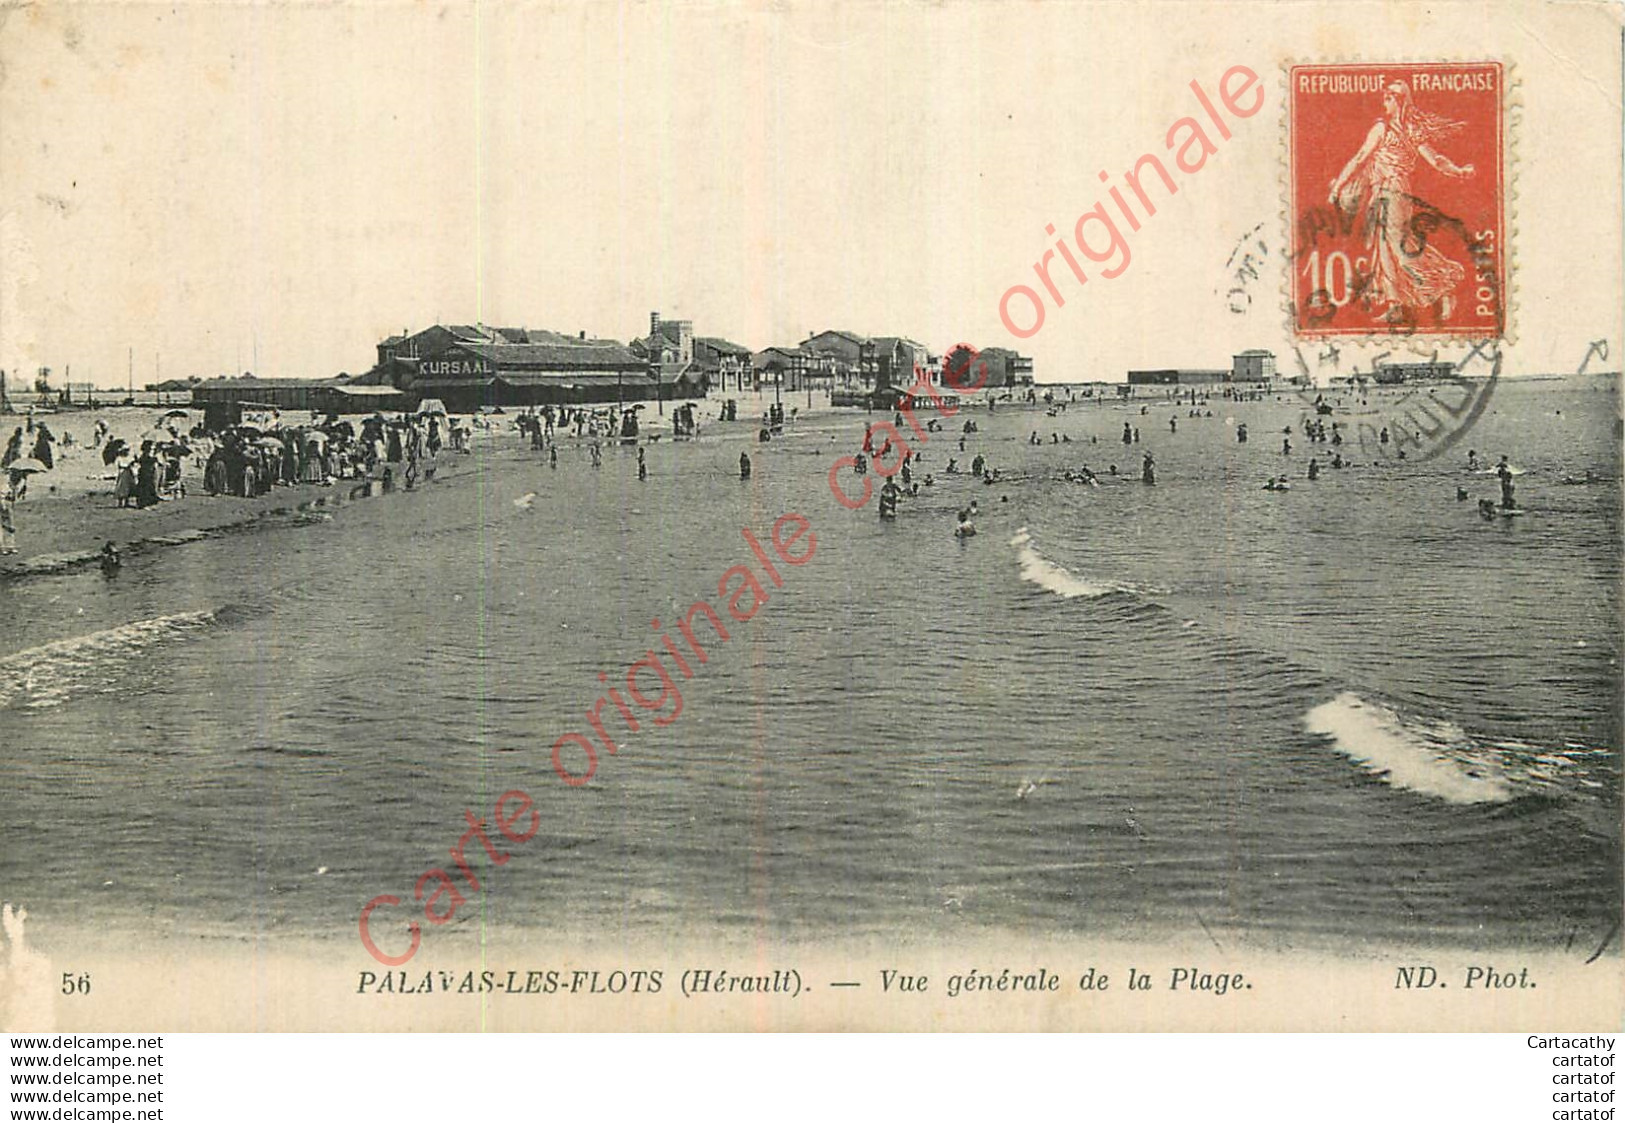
{"x":583,"y":335}
{"x":654,"y":324}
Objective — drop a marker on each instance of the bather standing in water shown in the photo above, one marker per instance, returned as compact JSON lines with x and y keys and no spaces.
{"x":888,"y":500}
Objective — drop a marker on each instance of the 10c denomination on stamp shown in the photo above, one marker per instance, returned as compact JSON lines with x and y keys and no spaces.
{"x":1397,"y":174}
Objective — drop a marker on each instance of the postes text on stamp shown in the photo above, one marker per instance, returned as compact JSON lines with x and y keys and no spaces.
{"x":1397,"y":175}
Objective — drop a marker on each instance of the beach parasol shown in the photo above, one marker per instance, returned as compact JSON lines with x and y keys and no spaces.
{"x":25,"y":466}
{"x":176,"y":413}
{"x":316,"y":437}
{"x":269,"y":442}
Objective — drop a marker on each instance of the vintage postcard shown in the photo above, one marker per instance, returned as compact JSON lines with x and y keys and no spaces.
{"x":790,"y":516}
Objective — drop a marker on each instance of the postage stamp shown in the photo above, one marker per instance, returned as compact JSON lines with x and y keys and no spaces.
{"x":1397,"y":174}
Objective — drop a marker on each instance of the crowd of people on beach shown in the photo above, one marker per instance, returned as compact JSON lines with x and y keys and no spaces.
{"x":246,"y":459}
{"x":262,"y":452}
{"x":30,"y":449}
{"x":541,"y":425}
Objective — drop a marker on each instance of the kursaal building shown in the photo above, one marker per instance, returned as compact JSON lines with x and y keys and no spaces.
{"x":469,"y":366}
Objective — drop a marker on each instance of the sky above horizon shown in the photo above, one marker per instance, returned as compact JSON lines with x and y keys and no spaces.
{"x":277,"y":187}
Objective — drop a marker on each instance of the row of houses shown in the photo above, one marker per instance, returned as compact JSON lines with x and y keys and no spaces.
{"x":468,"y":366}
{"x":859,"y":369}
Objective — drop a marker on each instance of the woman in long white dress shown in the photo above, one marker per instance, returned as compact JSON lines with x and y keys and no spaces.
{"x":124,"y":486}
{"x":1406,"y":272}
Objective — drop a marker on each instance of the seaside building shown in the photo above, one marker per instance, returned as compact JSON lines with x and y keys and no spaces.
{"x":860,"y":369}
{"x":710,"y":360}
{"x":823,"y":368}
{"x":323,"y":395}
{"x":851,"y":359}
{"x":724,"y":363}
{"x":538,"y":372}
{"x":994,"y":368}
{"x":784,"y":367}
{"x":1007,"y":368}
{"x":468,"y":366}
{"x":1253,"y":365}
{"x":896,"y":359}
{"x":263,"y":393}
{"x":1177,"y":377}
{"x":430,"y":341}
{"x":669,"y":351}
{"x":1389,"y":374}
{"x":669,"y":342}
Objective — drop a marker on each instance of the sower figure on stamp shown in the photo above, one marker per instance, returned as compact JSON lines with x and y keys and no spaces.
{"x":1406,"y":272}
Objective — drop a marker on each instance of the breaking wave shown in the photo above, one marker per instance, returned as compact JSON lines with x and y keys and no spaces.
{"x":1433,"y":758}
{"x":52,"y":673}
{"x":1039,"y":570}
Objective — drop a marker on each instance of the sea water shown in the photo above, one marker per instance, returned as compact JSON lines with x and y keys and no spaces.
{"x":1355,"y":711}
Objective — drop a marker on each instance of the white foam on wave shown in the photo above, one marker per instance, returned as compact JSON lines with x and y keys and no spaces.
{"x":50,"y":674}
{"x":1436,"y":759}
{"x":1039,"y":570}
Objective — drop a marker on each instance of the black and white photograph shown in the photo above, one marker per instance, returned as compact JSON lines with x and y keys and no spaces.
{"x":852,"y":516}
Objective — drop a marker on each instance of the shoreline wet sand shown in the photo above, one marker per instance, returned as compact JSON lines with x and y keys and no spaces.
{"x":57,"y":533}
{"x":69,"y":514}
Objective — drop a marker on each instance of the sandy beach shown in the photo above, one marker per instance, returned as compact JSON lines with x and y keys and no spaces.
{"x":69,"y":514}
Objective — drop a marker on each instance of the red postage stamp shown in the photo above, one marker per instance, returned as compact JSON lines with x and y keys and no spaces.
{"x":1398,"y":208}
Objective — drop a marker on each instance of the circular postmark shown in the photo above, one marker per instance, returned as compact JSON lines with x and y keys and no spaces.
{"x":1347,"y":262}
{"x":1422,"y":410}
